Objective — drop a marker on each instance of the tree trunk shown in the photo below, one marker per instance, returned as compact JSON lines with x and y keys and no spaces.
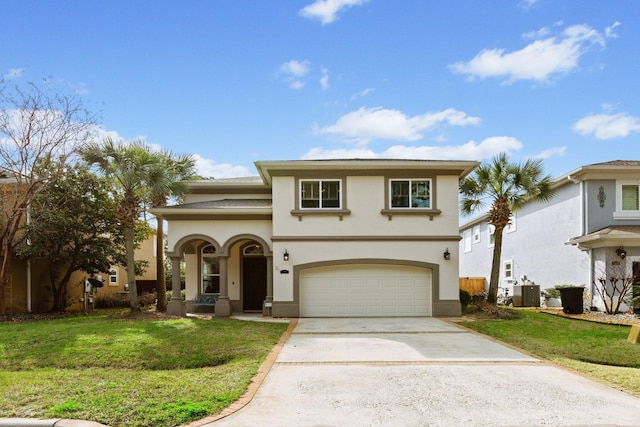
{"x":492,"y":298}
{"x":5,"y":274}
{"x":131,"y":268}
{"x":161,"y":283}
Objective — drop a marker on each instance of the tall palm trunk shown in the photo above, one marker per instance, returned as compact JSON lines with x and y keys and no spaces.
{"x":492,"y":298}
{"x":161,"y":284}
{"x":131,"y":270}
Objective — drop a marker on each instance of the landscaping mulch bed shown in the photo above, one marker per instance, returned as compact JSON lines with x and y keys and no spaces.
{"x":598,"y":316}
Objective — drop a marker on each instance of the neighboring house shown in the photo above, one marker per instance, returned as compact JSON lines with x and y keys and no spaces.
{"x":572,"y":239}
{"x":28,"y":291}
{"x":322,"y":238}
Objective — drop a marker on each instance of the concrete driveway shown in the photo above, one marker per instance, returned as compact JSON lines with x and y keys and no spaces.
{"x":419,"y":372}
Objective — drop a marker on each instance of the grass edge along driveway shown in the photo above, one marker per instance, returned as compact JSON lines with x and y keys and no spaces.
{"x":124,"y":371}
{"x":600,"y":351}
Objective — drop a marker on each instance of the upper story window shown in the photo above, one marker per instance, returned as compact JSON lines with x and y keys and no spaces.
{"x":320,"y":194}
{"x":410,"y":193}
{"x":627,"y":200}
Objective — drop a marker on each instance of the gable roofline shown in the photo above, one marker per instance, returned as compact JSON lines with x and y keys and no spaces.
{"x":603,"y":170}
{"x":269,"y":169}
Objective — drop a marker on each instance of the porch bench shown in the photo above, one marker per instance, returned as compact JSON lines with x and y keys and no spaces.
{"x":203,"y":303}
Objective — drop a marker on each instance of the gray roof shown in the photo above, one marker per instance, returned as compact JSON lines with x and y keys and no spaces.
{"x":227,"y":204}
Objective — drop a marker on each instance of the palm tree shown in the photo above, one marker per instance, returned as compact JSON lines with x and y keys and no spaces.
{"x":129,"y":166}
{"x":508,"y":186}
{"x":166,"y":179}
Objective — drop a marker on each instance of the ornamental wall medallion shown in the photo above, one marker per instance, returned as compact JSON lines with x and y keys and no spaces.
{"x":601,"y":197}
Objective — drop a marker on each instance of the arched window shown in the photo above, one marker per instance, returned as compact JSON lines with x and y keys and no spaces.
{"x":210,"y":270}
{"x":254,"y":249}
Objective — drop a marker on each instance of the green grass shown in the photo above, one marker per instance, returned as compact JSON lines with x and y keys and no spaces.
{"x":598,"y":350}
{"x":125,"y":371}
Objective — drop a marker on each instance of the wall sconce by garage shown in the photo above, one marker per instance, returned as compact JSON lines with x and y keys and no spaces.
{"x":447,"y":254}
{"x":621,"y":252}
{"x":285,"y":256}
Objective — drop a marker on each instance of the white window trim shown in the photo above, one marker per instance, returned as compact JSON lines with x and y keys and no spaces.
{"x":491,"y":230}
{"x":466,"y":240}
{"x":111,"y":282}
{"x":320,"y":181}
{"x":511,"y":226}
{"x":508,"y":279}
{"x":476,"y":234}
{"x":622,"y":214}
{"x":410,"y":180}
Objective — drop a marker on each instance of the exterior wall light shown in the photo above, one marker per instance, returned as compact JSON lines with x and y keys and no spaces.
{"x":447,"y":254}
{"x":621,"y":252}
{"x":285,"y":256}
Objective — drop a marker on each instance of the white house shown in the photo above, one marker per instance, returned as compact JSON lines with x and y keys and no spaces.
{"x":573,"y":239}
{"x":322,"y":238}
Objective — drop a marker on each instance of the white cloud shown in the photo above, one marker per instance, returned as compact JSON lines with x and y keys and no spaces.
{"x":208,"y":168}
{"x":14,"y":73}
{"x":327,"y":10}
{"x":364,"y":92}
{"x":469,"y":151}
{"x":609,"y":30}
{"x":539,"y":61}
{"x":608,"y":126}
{"x":551,"y":152}
{"x":324,"y":80}
{"x":294,"y":71}
{"x":366,"y":124}
{"x":528,"y":4}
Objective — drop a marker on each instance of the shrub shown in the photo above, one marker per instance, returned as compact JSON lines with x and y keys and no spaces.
{"x":111,"y":301}
{"x":465,"y":299}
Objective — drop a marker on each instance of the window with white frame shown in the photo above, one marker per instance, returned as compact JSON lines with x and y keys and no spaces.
{"x":210,"y":270}
{"x":410,"y":193}
{"x":320,"y":194}
{"x":491,"y":231}
{"x":511,"y":226}
{"x":476,"y":234}
{"x":113,"y":277}
{"x":508,"y":271}
{"x":627,"y":200}
{"x":466,"y":239}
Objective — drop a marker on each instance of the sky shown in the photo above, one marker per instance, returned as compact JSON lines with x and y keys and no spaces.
{"x":233,"y":82}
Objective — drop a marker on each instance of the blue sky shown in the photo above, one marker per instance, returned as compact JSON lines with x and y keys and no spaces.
{"x":232,"y":82}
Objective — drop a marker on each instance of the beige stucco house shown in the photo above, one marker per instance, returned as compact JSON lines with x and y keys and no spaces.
{"x":322,"y":238}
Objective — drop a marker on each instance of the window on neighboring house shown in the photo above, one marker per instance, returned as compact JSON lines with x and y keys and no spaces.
{"x":511,"y":226}
{"x":476,"y":234}
{"x":320,"y":194}
{"x":210,"y":270}
{"x":508,"y":271}
{"x":466,"y":240}
{"x":113,"y":277}
{"x":627,"y":200}
{"x":410,"y":193}
{"x":491,"y":230}
{"x":630,"y":199}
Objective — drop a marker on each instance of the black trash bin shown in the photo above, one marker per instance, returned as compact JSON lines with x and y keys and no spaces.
{"x":571,"y":298}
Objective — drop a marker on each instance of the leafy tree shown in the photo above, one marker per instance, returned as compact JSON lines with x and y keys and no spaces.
{"x":39,"y":128}
{"x":507,"y":186}
{"x":166,"y":179}
{"x":128,"y":166}
{"x":73,"y":227}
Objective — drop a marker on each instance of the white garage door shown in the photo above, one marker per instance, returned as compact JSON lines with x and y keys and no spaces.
{"x":365,"y":291}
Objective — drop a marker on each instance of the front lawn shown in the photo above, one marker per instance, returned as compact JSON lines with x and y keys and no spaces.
{"x":124,"y":371}
{"x":598,"y":350}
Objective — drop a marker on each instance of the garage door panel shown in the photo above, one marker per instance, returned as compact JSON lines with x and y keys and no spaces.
{"x":365,"y":291}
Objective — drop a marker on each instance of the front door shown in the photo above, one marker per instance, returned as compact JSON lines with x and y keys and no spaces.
{"x":254,"y":282}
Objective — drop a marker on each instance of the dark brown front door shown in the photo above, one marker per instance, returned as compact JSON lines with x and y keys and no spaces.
{"x":254,"y":283}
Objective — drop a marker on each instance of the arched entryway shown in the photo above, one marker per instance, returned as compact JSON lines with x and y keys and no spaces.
{"x":254,"y":277}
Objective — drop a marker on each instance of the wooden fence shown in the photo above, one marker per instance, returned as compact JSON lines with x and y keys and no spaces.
{"x":473,"y":285}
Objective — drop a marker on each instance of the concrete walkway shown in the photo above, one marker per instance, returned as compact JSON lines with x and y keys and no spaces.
{"x":419,"y":372}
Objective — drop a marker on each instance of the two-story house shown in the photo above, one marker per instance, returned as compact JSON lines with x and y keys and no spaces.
{"x":322,"y":238}
{"x":573,"y":239}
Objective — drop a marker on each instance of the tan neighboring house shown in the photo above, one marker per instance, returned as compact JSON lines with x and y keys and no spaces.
{"x":321,"y":238}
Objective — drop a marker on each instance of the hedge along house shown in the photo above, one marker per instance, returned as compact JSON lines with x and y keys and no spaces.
{"x":321,"y":238}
